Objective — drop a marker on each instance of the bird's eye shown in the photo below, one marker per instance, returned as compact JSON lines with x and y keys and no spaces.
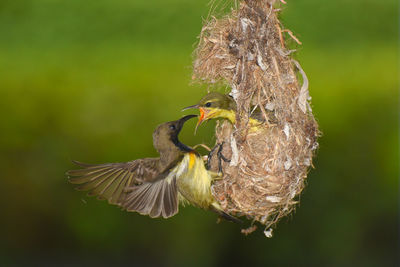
{"x":172,"y":127}
{"x":208,"y":104}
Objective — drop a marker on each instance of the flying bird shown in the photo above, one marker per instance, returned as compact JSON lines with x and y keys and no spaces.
{"x":154,"y":186}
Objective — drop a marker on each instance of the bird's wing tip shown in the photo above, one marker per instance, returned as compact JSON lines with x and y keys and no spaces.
{"x":79,"y":163}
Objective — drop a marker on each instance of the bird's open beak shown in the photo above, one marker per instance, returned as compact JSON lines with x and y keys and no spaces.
{"x":201,"y":115}
{"x":202,"y":118}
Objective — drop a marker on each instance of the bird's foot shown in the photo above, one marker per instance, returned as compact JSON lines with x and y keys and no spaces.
{"x":220,"y":156}
{"x":219,"y":153}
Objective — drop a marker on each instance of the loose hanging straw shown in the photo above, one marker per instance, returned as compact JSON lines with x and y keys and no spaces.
{"x":246,"y":51}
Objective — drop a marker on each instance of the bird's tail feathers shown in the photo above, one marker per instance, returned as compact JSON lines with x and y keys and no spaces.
{"x":225,"y":215}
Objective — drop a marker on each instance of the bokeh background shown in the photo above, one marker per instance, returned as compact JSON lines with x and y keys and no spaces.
{"x":90,"y":80}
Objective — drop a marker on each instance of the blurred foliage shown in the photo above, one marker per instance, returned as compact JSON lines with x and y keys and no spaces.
{"x":90,"y":80}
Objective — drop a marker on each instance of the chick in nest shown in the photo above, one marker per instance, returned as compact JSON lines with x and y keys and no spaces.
{"x":215,"y":105}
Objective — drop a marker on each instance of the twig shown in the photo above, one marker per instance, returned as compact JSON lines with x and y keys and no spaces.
{"x":292,"y":35}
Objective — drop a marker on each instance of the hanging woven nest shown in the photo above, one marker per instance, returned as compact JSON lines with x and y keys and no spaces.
{"x":245,"y":50}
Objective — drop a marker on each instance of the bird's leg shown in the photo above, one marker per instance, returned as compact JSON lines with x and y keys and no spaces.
{"x":219,"y":153}
{"x":219,"y":148}
{"x":221,"y":157}
{"x":210,"y":156}
{"x":214,"y":175}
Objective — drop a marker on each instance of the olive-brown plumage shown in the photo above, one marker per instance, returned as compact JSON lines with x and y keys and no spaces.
{"x":139,"y":185}
{"x":153,"y":186}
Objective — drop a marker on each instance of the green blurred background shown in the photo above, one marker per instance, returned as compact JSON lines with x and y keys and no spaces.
{"x":90,"y":80}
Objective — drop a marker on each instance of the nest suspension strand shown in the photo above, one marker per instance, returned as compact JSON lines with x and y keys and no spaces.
{"x":268,"y":167}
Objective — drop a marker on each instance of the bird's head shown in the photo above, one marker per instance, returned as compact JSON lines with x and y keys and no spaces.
{"x":166,"y":134}
{"x":213,"y":105}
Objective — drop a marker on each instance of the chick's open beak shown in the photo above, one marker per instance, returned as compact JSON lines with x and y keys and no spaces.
{"x":202,"y":117}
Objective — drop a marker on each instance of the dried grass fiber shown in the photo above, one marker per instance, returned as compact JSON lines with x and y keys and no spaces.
{"x":246,"y":51}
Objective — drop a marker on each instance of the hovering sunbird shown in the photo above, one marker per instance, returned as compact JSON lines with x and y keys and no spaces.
{"x":216,"y":105}
{"x":154,"y":186}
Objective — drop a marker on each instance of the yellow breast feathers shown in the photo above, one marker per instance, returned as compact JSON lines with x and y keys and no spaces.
{"x":194,"y":181}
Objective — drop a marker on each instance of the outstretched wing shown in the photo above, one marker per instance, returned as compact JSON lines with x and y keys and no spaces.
{"x":156,"y":199}
{"x":108,"y":181}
